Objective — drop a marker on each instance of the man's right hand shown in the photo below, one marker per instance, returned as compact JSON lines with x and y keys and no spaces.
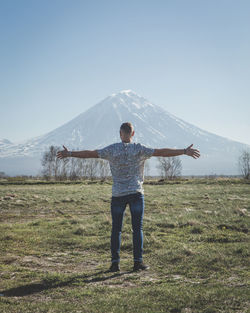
{"x":63,"y":154}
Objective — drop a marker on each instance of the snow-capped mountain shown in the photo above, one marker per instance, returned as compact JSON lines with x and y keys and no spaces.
{"x":154,"y":126}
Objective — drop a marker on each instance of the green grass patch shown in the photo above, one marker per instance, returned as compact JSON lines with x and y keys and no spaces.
{"x":55,"y":241}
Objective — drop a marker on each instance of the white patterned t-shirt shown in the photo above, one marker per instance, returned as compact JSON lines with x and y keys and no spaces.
{"x":127,"y":166}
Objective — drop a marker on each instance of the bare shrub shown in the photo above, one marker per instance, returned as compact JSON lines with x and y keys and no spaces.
{"x":244,"y":164}
{"x":169,"y":167}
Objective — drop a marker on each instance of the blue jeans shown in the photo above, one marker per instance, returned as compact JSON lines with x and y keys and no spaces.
{"x":118,"y":206}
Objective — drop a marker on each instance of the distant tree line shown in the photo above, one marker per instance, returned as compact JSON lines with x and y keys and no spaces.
{"x":76,"y":168}
{"x":72,"y":168}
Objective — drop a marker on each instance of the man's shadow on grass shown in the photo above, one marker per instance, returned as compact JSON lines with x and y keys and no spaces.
{"x":29,"y":289}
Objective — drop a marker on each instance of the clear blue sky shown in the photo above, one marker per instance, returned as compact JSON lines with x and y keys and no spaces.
{"x":58,"y":58}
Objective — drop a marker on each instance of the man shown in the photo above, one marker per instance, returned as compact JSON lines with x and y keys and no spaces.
{"x":126,"y":161}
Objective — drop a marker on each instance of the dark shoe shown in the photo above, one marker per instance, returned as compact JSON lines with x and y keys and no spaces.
{"x":114,"y":267}
{"x":140,"y":266}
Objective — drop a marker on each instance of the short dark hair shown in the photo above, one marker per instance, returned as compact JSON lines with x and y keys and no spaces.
{"x":127,"y":128}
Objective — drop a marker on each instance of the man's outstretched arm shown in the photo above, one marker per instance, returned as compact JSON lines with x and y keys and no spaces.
{"x":77,"y":154}
{"x":176,"y":152}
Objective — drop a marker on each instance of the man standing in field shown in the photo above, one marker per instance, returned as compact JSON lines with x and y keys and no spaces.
{"x":126,"y":161}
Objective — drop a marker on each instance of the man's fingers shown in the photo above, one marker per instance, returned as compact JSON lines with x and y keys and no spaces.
{"x":60,"y":155}
{"x":196,"y":151}
{"x":65,"y":148}
{"x":190,"y":146}
{"x":196,"y":154}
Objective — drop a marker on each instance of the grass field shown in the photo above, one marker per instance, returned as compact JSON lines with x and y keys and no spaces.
{"x":55,"y":241}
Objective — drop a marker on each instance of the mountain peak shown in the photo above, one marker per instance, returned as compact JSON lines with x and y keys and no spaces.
{"x":126,"y":92}
{"x":129,"y":99}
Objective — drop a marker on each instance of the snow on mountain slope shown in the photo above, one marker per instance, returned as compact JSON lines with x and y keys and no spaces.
{"x":154,"y":126}
{"x":5,"y":142}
